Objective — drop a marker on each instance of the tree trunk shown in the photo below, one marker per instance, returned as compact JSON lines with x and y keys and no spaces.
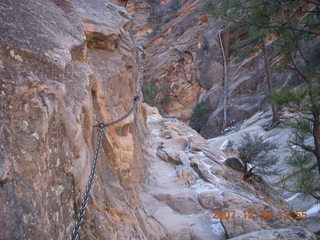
{"x":225,"y":83}
{"x":275,"y":114}
{"x":245,"y":170}
{"x":316,"y":137}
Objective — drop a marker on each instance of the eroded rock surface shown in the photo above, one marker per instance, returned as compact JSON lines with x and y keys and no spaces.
{"x":63,"y":68}
{"x":183,"y":60}
{"x":180,"y":194}
{"x":295,"y":233}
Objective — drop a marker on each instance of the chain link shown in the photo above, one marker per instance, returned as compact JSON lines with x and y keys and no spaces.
{"x":85,"y":199}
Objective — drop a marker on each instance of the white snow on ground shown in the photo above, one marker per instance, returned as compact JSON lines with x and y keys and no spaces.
{"x":224,"y":144}
{"x":200,"y":154}
{"x":217,"y":227}
{"x":293,"y":197}
{"x":202,"y":186}
{"x":315,"y":209}
{"x":153,"y":118}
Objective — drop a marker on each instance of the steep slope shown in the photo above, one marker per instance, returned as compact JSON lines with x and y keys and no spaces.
{"x":192,"y":194}
{"x":281,"y":136}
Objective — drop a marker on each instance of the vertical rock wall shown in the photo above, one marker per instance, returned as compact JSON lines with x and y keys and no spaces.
{"x":64,"y":66}
{"x":183,"y":60}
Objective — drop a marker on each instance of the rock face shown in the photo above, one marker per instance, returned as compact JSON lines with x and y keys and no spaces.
{"x":296,"y":233}
{"x":63,"y":68}
{"x":184,"y":60}
{"x":172,"y":60}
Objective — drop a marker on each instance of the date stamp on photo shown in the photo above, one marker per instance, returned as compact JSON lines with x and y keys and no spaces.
{"x":263,"y":214}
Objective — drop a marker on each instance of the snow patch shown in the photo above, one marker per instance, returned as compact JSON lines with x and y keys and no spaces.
{"x":201,"y":186}
{"x":224,"y":144}
{"x":293,"y":197}
{"x":15,"y":56}
{"x":153,"y":118}
{"x":217,"y":228}
{"x":315,"y":209}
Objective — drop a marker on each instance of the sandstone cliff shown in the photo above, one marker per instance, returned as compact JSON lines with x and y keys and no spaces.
{"x":184,"y":61}
{"x":64,"y":67}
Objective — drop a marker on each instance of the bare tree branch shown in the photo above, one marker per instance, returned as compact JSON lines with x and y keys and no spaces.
{"x":304,"y":147}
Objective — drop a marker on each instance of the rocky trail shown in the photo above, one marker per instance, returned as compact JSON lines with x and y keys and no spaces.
{"x":187,"y":182}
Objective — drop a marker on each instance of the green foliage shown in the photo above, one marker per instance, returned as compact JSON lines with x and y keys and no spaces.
{"x":296,"y":25}
{"x":165,"y":100}
{"x":287,"y":96}
{"x":282,"y":18}
{"x":253,"y":38}
{"x":200,"y":114}
{"x":303,"y":157}
{"x":211,"y":9}
{"x":241,"y":13}
{"x":230,"y":27}
{"x":149,"y":94}
{"x":255,"y":148}
{"x":230,"y":145}
{"x":257,"y":151}
{"x":304,"y":180}
{"x":260,"y":15}
{"x":300,"y":159}
{"x":302,"y":129}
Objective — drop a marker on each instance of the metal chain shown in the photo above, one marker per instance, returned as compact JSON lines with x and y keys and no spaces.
{"x":86,"y":194}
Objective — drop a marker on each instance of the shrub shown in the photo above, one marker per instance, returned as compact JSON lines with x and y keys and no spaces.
{"x":230,"y":145}
{"x":199,"y":117}
{"x":255,"y":152}
{"x":149,"y":94}
{"x":165,"y":100}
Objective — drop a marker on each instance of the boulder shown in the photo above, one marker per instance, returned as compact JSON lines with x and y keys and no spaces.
{"x":187,"y":174}
{"x":234,"y":163}
{"x":185,"y":203}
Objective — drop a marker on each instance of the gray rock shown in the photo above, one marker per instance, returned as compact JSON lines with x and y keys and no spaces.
{"x":182,"y":203}
{"x":294,"y":233}
{"x":234,"y":163}
{"x":169,"y":155}
{"x":208,"y":200}
{"x":187,"y":174}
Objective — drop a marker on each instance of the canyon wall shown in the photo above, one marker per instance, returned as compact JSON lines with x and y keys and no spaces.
{"x":184,"y":61}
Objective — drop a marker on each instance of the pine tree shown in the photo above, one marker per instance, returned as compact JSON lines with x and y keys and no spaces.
{"x":263,"y":18}
{"x":295,"y":25}
{"x":305,"y":100}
